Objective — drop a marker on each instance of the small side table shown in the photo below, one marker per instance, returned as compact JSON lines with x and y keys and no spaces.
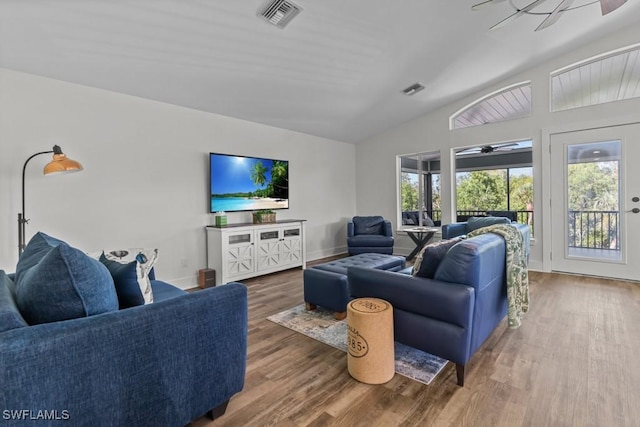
{"x":420,"y":236}
{"x":370,"y":346}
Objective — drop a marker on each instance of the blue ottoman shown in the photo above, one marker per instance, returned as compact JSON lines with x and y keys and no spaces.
{"x":325,"y":284}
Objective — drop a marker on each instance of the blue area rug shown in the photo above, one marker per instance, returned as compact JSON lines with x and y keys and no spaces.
{"x":320,"y":325}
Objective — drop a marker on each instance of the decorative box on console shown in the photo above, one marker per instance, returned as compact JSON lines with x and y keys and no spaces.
{"x":221,"y":220}
{"x":264,"y":217}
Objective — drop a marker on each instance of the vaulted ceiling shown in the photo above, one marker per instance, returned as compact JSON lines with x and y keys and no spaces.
{"x":336,"y":71}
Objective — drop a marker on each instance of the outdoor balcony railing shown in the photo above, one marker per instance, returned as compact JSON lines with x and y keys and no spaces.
{"x":523,"y":217}
{"x":587,"y":229}
{"x":594,"y":230}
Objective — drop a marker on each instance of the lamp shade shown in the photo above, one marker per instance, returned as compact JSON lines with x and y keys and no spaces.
{"x":61,"y":163}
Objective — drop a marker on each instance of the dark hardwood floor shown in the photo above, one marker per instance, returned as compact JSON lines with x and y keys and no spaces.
{"x":572,"y":363}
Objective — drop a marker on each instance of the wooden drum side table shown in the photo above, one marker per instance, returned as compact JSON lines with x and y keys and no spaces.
{"x":370,"y":345}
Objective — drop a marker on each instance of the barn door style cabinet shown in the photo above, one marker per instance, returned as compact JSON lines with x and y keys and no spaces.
{"x":241,"y":251}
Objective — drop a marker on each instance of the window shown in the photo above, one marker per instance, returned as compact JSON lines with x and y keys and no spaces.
{"x":495,"y":180}
{"x":511,"y":102}
{"x":419,"y":189}
{"x":613,"y":76}
{"x":410,"y":190}
{"x":593,"y":191}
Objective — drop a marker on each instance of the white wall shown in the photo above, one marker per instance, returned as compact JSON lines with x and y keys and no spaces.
{"x":377,"y":187}
{"x":145,"y":182}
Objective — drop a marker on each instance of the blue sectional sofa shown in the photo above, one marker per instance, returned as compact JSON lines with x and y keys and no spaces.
{"x":451,"y":315}
{"x":450,"y":231}
{"x":163,"y":363}
{"x":472,"y":223}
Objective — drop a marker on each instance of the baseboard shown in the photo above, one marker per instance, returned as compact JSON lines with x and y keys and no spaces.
{"x":325,"y":253}
{"x":190,"y":282}
{"x":535,"y":266}
{"x":184,"y":283}
{"x":312,"y":256}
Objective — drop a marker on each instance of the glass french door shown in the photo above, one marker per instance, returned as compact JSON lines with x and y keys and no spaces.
{"x":595,"y":202}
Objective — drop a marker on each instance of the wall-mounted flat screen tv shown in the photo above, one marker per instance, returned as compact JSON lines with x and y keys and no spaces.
{"x":240,"y":183}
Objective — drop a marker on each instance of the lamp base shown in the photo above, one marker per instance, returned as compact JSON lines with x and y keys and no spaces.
{"x":21,"y":233}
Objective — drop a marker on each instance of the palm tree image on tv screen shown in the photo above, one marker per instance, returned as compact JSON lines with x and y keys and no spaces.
{"x":246,"y":183}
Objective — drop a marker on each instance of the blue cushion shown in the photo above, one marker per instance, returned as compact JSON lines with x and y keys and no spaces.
{"x":430,"y":256}
{"x":131,"y":279}
{"x":368,"y":224}
{"x":65,"y":284}
{"x":476,"y":222}
{"x":512,"y":215}
{"x":476,"y":262}
{"x":373,"y":240}
{"x":163,"y":291}
{"x":366,"y":260}
{"x":39,"y":245}
{"x":10,"y":317}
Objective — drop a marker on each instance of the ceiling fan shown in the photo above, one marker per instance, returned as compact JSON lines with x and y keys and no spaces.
{"x":607,"y":6}
{"x":488,"y":149}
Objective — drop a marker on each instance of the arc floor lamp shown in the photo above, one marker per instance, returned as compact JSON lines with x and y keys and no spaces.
{"x":59,"y":163}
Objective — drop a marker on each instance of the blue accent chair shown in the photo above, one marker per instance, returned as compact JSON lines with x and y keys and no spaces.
{"x":369,"y":234}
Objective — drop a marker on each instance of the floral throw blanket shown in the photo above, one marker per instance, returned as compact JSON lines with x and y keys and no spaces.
{"x":517,"y":272}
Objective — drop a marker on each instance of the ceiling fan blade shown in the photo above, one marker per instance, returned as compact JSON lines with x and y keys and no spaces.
{"x":508,"y":144}
{"x":470,"y":150}
{"x":517,"y":14}
{"x":555,"y":15}
{"x":485,"y":4}
{"x":608,"y":6}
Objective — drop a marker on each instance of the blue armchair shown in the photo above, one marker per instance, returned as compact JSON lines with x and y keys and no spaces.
{"x":369,"y":234}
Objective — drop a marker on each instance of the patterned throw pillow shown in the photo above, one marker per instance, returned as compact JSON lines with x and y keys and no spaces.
{"x":429,"y":258}
{"x":130,"y":269}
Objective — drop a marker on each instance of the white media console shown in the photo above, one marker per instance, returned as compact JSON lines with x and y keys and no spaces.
{"x":241,"y":251}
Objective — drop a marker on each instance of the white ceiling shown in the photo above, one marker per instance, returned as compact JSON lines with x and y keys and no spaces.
{"x":336,"y":71}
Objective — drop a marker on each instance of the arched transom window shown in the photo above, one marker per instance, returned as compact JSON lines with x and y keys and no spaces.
{"x":609,"y":77}
{"x":511,"y":102}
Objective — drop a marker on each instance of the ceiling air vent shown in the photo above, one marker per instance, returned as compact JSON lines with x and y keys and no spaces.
{"x":413,"y":89}
{"x":280,"y":12}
